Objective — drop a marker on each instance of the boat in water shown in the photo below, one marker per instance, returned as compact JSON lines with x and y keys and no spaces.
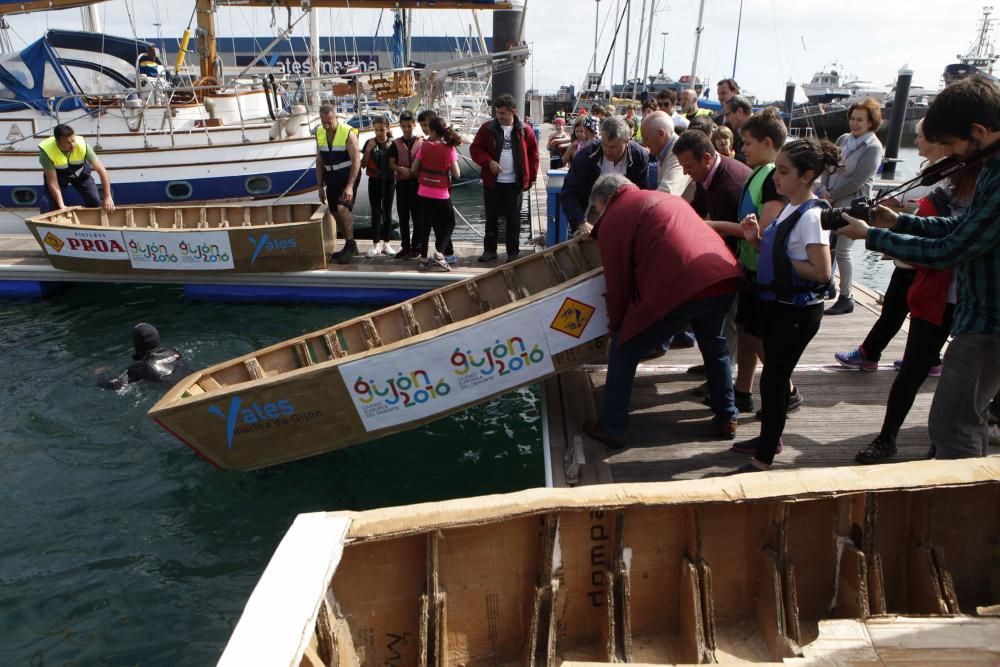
{"x":981,"y":55}
{"x":184,"y":239}
{"x":889,"y":564}
{"x":399,"y":367}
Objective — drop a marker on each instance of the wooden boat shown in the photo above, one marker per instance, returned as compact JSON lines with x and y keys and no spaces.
{"x":887,"y":564}
{"x":399,"y":367}
{"x":183,"y":239}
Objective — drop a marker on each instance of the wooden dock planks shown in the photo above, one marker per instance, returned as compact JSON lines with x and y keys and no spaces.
{"x":670,"y":433}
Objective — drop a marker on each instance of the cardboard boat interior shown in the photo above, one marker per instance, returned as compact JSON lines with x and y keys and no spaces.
{"x":182,"y":217}
{"x":674,"y":573}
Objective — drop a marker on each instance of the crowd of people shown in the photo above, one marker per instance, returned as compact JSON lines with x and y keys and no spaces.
{"x":418,"y":172}
{"x":749,"y":261}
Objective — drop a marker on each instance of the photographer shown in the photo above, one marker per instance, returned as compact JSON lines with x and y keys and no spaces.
{"x":966,"y":117}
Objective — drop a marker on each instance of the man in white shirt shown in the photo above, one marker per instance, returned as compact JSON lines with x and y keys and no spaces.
{"x":658,"y":135}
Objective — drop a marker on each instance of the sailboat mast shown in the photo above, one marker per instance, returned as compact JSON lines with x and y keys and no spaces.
{"x":649,"y":37}
{"x":91,"y":20}
{"x":314,"y":57}
{"x":628,"y":25}
{"x":642,"y":23}
{"x":205,"y":10}
{"x":697,"y":43}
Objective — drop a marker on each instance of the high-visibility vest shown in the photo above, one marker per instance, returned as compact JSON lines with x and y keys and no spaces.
{"x":333,"y":149}
{"x":66,"y":166}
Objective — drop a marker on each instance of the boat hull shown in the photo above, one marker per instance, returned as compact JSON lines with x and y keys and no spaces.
{"x":751,"y":568}
{"x":182,"y":240}
{"x":397,"y":368}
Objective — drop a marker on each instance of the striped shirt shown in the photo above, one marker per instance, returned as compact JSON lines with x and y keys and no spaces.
{"x":970,"y":243}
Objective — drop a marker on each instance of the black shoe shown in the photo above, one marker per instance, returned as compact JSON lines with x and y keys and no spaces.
{"x":831,"y":293}
{"x":681,"y":343}
{"x":487,"y":256}
{"x":511,"y":256}
{"x":882,"y":448}
{"x":696,"y":370}
{"x":743,"y":400}
{"x":597,"y":432}
{"x":701,"y":390}
{"x":654,"y":353}
{"x":346,"y":253}
{"x":844,"y":305}
{"x":795,"y":402}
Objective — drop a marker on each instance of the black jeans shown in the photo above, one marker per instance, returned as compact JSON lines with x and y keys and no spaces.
{"x":894,"y":312}
{"x":786,"y":331}
{"x":440,"y":216}
{"x":923,"y":348}
{"x":406,"y":207}
{"x":380,"y":196}
{"x":504,"y":199}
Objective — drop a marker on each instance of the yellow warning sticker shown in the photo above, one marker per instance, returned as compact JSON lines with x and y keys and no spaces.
{"x":54,"y":242}
{"x":572,"y":317}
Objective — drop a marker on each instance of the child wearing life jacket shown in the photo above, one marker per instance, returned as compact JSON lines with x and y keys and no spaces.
{"x":381,"y":186}
{"x":402,"y":153}
{"x":435,"y":165}
{"x":793,"y":271}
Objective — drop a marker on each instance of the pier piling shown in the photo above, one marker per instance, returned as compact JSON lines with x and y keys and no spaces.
{"x":898,"y":119}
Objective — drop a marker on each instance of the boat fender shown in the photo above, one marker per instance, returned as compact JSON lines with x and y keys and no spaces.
{"x":278,"y":128}
{"x":298,"y":123}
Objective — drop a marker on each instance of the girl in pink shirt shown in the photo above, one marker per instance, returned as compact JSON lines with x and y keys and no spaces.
{"x":435,"y":165}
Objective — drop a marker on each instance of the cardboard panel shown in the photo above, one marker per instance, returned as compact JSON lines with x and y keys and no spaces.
{"x":852,"y":584}
{"x":812,"y":548}
{"x":377,"y":588}
{"x":586,"y":541}
{"x":489,"y":575}
{"x":732,"y":541}
{"x":657,"y":538}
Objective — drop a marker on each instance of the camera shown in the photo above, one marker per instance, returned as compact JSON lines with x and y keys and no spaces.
{"x":860,"y":208}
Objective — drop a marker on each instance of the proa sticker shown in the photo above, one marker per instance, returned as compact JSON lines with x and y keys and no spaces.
{"x":572,"y":318}
{"x":54,"y":242}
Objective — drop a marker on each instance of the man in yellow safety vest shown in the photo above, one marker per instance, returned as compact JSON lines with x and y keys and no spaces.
{"x":338,"y":164}
{"x":67,"y":160}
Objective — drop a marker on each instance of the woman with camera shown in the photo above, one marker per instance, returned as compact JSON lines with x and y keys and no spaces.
{"x":861,"y":155}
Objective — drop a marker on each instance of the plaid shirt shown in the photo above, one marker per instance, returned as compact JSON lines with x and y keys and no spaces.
{"x":970,"y":243}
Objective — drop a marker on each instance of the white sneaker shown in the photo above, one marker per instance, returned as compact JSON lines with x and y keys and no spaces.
{"x":375,"y":251}
{"x":387,"y":249}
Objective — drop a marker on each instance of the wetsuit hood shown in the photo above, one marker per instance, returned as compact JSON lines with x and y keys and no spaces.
{"x":146,"y":338}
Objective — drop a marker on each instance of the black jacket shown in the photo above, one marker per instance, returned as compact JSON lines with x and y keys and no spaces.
{"x":586,"y":170}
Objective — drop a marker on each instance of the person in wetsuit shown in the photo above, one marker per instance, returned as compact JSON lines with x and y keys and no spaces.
{"x":162,"y":365}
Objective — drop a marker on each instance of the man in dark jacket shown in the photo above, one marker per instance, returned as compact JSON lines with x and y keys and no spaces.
{"x":617,"y":153}
{"x":161,"y":365}
{"x":663,"y":269}
{"x":507,"y":154}
{"x":718,"y":179}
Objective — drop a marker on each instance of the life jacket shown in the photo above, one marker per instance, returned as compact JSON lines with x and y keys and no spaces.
{"x":404,"y":154}
{"x":776,"y":277}
{"x":435,"y":161}
{"x":69,"y":168}
{"x":333,"y":149}
{"x":377,"y":165}
{"x":751,"y":201}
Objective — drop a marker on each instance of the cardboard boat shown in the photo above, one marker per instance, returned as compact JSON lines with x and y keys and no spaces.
{"x":183,"y":239}
{"x":892,"y":564}
{"x":399,"y":367}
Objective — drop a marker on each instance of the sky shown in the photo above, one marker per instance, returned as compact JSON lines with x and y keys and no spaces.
{"x":780,"y":40}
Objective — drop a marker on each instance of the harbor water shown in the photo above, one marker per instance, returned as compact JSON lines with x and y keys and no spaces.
{"x":120,"y":546}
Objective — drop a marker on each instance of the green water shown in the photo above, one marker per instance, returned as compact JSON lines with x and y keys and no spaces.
{"x":118,"y":545}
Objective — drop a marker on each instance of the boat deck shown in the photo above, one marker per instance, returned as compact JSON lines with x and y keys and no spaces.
{"x":670,"y":434}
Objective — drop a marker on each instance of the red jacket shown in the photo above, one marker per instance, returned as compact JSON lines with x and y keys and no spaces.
{"x":928,"y":295}
{"x":657,"y":255}
{"x":488,"y":143}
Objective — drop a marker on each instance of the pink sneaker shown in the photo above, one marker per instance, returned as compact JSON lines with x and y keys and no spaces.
{"x":934,"y":372}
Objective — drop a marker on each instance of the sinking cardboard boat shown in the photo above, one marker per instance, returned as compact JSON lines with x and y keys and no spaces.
{"x":398,"y":367}
{"x":183,"y":239}
{"x":818,"y":566}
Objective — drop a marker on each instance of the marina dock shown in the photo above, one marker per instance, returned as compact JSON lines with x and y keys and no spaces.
{"x":670,"y":433}
{"x":25,"y":271}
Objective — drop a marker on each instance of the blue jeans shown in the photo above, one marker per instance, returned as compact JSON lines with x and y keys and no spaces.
{"x":707,"y":318}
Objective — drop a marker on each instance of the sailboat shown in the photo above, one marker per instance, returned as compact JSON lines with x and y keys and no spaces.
{"x":166,"y":140}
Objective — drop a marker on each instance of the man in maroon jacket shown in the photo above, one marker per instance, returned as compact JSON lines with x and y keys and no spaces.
{"x":507,"y":154}
{"x":663,"y":268}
